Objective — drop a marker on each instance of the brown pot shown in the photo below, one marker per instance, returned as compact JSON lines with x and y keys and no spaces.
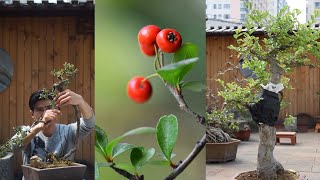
{"x":243,"y":135}
{"x":222,"y":152}
{"x":75,"y":172}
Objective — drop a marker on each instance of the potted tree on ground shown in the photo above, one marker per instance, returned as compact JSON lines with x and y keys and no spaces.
{"x":220,"y":147}
{"x":271,"y":57}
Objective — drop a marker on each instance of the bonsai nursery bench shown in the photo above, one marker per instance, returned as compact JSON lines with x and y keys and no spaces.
{"x":317,"y":128}
{"x":291,"y":135}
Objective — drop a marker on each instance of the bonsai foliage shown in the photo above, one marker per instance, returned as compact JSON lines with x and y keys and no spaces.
{"x":153,"y":42}
{"x":14,"y":142}
{"x":63,"y":75}
{"x":286,"y":44}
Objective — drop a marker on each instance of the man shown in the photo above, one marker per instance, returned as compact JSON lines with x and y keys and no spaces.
{"x":47,"y":135}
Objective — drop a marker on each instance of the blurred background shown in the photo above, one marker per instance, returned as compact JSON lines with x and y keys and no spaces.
{"x":118,"y":59}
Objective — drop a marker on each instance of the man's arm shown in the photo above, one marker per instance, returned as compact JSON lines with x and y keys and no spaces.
{"x":48,"y":118}
{"x":33,"y":132}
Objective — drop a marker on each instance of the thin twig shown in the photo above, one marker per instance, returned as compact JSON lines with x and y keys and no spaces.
{"x":194,"y":153}
{"x":126,"y":174}
{"x":199,"y":145}
{"x":183,"y":105}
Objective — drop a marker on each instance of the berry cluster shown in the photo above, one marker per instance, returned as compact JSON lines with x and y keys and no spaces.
{"x":151,"y":40}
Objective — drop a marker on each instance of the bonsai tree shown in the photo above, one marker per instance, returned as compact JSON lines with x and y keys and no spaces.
{"x":286,"y":44}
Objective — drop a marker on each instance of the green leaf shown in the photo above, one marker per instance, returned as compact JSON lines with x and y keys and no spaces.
{"x":174,"y":73}
{"x":96,"y":171}
{"x":195,"y":86}
{"x":167,"y":133}
{"x":97,"y":149}
{"x":121,"y":148}
{"x":101,"y":140}
{"x":139,"y":131}
{"x":113,"y":143}
{"x":160,"y":163}
{"x":140,"y":157}
{"x":162,"y":156}
{"x":127,"y":167}
{"x":186,"y":51}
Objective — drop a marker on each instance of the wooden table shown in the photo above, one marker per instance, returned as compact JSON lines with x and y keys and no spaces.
{"x":291,"y":135}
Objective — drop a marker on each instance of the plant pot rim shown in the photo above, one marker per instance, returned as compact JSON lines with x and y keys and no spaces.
{"x":231,"y":141}
{"x":45,"y":169}
{"x":291,"y":170}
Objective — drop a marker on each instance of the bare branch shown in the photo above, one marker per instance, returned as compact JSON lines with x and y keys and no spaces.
{"x":194,"y":153}
{"x":126,"y":174}
{"x":182,"y":104}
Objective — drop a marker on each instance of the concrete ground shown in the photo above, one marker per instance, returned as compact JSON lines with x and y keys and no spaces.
{"x":304,"y":157}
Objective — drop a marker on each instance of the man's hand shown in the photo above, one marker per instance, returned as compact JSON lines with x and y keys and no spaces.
{"x":68,"y":97}
{"x":48,"y":118}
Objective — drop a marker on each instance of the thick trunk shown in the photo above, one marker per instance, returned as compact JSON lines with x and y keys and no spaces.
{"x":268,"y":167}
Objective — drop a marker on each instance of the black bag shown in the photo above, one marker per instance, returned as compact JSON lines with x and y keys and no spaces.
{"x":267,"y":110}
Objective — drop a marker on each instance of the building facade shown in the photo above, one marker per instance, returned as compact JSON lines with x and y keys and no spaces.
{"x":223,"y":9}
{"x":235,"y":10}
{"x":312,"y":6}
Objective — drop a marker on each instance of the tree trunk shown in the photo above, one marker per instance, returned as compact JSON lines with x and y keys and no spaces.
{"x":268,"y":167}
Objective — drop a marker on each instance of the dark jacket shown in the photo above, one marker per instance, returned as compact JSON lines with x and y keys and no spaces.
{"x":267,"y":110}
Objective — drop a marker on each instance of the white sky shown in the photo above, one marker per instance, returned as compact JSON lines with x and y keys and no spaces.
{"x":299,"y":4}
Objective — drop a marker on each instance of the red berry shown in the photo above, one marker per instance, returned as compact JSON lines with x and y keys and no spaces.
{"x":148,"y":50}
{"x":147,"y":38}
{"x":169,"y":40}
{"x":139,"y":91}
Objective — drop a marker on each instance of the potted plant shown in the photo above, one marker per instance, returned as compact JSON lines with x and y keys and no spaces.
{"x":56,"y":167}
{"x":220,"y":147}
{"x":245,"y":123}
{"x":59,"y":169}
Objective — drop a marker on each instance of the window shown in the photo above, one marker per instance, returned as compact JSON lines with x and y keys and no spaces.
{"x":226,"y":16}
{"x":214,"y":6}
{"x":242,"y":5}
{"x":243,"y":9}
{"x":215,"y":16}
{"x":219,"y":16}
{"x":226,"y":6}
{"x":243,"y":16}
{"x":219,"y":6}
{"x":317,"y":5}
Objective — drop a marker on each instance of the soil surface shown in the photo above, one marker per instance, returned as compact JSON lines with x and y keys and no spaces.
{"x":252,"y":175}
{"x":52,"y":162}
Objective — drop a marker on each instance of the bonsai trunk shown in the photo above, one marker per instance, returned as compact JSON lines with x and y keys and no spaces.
{"x":268,"y":167}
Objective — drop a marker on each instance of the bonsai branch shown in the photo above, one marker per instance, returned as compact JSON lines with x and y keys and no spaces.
{"x":182,"y":104}
{"x":194,"y":153}
{"x":126,"y":174}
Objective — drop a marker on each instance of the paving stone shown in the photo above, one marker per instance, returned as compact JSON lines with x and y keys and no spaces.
{"x":304,"y":157}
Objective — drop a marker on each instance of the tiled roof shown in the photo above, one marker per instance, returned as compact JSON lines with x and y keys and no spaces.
{"x":229,"y":31}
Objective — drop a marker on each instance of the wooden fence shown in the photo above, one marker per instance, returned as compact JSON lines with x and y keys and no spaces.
{"x":305,"y":80}
{"x":37,"y":45}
